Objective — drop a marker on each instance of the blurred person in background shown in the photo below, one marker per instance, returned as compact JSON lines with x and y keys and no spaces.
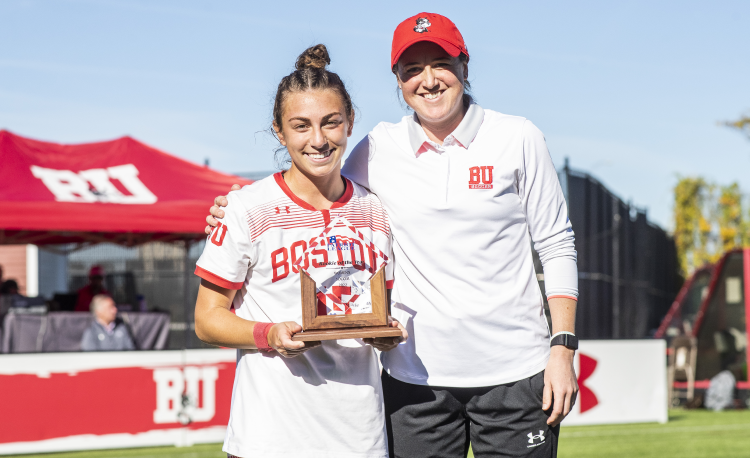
{"x":9,"y":287}
{"x":106,"y":332}
{"x":8,"y":293}
{"x":94,"y":288}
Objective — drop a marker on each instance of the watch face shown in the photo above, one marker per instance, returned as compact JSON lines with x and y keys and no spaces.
{"x":342,"y":261}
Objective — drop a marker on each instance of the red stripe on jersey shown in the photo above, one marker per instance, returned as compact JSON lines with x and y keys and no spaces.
{"x":282,"y":206}
{"x":290,"y":212}
{"x":279,"y":177}
{"x":389,"y":284}
{"x":348,"y":193}
{"x":255,"y":235}
{"x":258,"y":227}
{"x":564,"y":296}
{"x":217,"y":280}
{"x":312,"y":223}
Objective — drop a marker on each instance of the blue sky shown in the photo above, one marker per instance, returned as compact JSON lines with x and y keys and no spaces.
{"x":630,"y":91}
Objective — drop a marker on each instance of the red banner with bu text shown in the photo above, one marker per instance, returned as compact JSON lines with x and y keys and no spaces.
{"x":78,"y":401}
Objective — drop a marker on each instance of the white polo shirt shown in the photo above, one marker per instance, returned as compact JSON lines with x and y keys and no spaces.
{"x":463,"y":216}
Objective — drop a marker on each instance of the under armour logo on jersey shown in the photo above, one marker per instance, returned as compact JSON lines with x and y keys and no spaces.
{"x":480,"y":177}
{"x":218,"y":233}
{"x":532,"y":437}
{"x":422,"y":24}
{"x":285,"y":208}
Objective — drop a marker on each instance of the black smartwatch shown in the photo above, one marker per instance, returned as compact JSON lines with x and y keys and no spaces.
{"x":567,"y":340}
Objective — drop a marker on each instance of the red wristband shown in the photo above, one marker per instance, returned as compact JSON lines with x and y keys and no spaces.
{"x":260,"y":334}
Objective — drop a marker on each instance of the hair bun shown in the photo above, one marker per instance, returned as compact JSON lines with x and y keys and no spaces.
{"x":313,"y":57}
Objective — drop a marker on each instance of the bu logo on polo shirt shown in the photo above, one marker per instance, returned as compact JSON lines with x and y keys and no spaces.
{"x":480,"y":177}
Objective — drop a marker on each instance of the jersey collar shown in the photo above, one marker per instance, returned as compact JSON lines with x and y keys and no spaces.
{"x":463,"y":135}
{"x":343,"y":200}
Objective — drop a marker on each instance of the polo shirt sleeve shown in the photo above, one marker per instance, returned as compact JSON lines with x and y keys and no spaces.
{"x":357,"y":164}
{"x":547,"y":216}
{"x":226,"y":256}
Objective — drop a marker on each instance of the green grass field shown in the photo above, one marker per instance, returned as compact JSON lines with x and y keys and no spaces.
{"x":689,"y":434}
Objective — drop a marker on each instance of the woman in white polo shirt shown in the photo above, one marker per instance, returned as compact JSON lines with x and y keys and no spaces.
{"x":467,"y":191}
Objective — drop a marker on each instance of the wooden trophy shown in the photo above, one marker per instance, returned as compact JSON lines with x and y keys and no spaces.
{"x":329,"y":327}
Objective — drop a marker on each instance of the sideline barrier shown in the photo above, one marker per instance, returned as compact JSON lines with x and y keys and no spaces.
{"x":82,"y":401}
{"x":620,"y":381}
{"x":56,"y":402}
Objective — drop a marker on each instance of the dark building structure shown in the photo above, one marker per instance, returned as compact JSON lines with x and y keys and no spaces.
{"x":628,"y":273}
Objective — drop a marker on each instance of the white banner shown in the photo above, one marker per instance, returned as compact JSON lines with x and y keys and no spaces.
{"x":620,"y":381}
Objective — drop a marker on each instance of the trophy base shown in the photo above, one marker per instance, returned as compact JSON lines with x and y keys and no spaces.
{"x":347,"y":333}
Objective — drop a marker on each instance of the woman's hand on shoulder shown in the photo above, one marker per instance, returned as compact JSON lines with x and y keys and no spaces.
{"x":389,"y":343}
{"x":280,"y":339}
{"x":216,"y":210}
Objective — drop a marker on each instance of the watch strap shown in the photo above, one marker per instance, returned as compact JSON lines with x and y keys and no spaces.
{"x":566,"y":339}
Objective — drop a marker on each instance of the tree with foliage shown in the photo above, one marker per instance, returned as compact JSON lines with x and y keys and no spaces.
{"x":691,"y":228}
{"x":707,"y":223}
{"x":729,"y":217}
{"x":742,"y":124}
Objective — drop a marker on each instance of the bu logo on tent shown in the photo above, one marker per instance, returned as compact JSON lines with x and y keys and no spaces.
{"x":96,"y":185}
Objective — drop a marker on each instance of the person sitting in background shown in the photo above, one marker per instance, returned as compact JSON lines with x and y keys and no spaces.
{"x":95,"y":287}
{"x":8,"y":293}
{"x":9,"y":287}
{"x":106,"y":332}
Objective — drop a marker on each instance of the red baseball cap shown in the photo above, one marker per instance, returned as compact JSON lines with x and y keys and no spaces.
{"x":427,"y":27}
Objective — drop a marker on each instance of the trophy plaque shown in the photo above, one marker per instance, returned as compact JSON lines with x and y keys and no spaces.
{"x":342,"y":279}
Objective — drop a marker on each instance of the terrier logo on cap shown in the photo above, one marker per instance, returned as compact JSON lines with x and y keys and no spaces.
{"x":422,"y":24}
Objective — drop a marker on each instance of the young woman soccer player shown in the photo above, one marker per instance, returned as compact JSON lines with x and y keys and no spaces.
{"x":291,"y":398}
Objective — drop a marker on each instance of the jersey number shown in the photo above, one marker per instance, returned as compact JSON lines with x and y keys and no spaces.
{"x":217,"y":238}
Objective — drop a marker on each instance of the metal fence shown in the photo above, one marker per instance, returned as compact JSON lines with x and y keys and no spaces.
{"x":628,"y":274}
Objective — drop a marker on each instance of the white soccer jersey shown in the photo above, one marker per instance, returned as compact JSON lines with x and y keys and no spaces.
{"x":328,"y":401}
{"x":463,"y":216}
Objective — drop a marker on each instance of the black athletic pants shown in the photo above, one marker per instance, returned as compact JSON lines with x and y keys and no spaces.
{"x":440,"y":422}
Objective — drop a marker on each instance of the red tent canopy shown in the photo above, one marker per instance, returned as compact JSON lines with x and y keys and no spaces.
{"x":119,"y":191}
